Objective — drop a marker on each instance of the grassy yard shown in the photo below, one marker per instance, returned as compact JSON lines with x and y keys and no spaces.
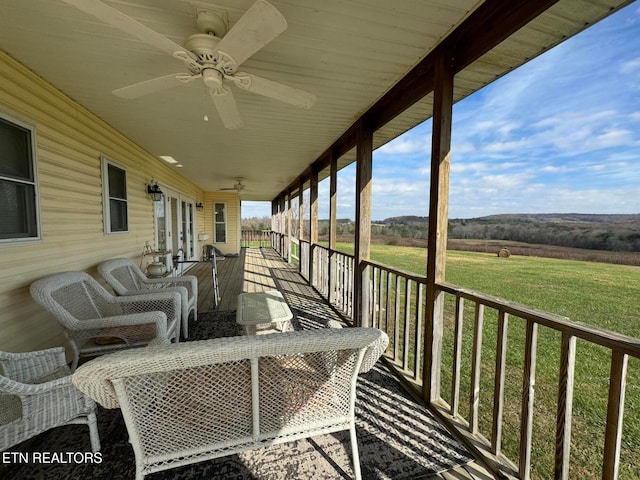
{"x":599,"y":294}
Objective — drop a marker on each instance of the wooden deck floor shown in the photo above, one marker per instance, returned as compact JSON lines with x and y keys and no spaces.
{"x":260,"y":269}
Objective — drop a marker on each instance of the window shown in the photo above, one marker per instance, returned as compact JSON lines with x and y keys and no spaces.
{"x":114,"y":195}
{"x":18,"y":187}
{"x":220,"y":222}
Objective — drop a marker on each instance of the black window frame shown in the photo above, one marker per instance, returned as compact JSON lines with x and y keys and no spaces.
{"x":114,"y":196}
{"x":20,"y":188}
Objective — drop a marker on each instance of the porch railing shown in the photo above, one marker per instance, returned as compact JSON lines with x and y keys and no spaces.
{"x":255,"y":238}
{"x":295,"y":250}
{"x":397,"y":305}
{"x":305,"y":266}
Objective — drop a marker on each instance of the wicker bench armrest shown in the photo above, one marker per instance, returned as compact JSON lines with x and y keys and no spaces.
{"x":158,"y":318}
{"x":189,"y":282}
{"x":18,"y":388}
{"x":168,"y":302}
{"x":27,"y":366}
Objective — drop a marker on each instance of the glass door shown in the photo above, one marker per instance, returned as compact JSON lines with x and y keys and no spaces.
{"x":175,"y":226}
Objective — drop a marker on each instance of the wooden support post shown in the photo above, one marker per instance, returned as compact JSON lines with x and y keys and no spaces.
{"x":333,"y":203}
{"x":300,"y":220}
{"x":364,"y":165}
{"x":274,"y":222}
{"x":438,"y":222}
{"x":313,"y":225}
{"x":289,"y":231}
{"x":283,"y":223}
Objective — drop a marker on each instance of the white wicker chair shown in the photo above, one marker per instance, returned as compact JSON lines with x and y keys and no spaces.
{"x":36,"y":394}
{"x":96,"y":322}
{"x":195,"y":401}
{"x":126,"y":278}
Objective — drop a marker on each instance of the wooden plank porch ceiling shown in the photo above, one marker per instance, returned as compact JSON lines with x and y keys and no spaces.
{"x":260,"y":269}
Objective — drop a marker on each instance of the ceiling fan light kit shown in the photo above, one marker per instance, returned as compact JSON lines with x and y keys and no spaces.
{"x":213,"y":55}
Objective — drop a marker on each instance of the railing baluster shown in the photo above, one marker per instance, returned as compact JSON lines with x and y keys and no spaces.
{"x":457,"y":356}
{"x":380,"y":297}
{"x":615,"y":410}
{"x":528,"y":388}
{"x":474,"y":394}
{"x":374,"y":296}
{"x":407,"y":317}
{"x":498,"y":386}
{"x":387,"y":300}
{"x":350,"y":266}
{"x":565,"y":406}
{"x":396,"y":321}
{"x":417,"y":343}
{"x":347,"y":282}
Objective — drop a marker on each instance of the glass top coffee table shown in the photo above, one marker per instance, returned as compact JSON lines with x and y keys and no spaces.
{"x":263,"y":312}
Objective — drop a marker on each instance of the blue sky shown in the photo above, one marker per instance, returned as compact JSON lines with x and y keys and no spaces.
{"x":559,"y":134}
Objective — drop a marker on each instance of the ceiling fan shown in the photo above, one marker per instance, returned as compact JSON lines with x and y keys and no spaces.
{"x":212,"y":56}
{"x":238,"y":187}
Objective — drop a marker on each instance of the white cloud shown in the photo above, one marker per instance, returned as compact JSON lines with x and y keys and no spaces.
{"x":612,"y":138}
{"x":462,"y":148}
{"x":406,"y":145}
{"x":507,"y":146}
{"x":630,"y":66}
{"x":556,"y":169}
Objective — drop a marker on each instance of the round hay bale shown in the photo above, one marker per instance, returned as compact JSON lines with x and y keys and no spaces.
{"x":504,"y":253}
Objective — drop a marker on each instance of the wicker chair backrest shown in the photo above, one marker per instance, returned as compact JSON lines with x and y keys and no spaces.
{"x":73,"y":297}
{"x":122,"y":274}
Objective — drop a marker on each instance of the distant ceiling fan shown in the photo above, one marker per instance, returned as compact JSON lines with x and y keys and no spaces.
{"x":238,"y":187}
{"x":208,"y":56}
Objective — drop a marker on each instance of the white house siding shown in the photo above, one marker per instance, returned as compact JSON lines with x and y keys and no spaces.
{"x":69,"y":142}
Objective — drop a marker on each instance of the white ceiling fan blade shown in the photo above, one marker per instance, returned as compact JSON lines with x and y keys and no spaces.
{"x":277,"y":91}
{"x":227,"y":108}
{"x":256,"y":28}
{"x":154,"y":85}
{"x":119,"y":20}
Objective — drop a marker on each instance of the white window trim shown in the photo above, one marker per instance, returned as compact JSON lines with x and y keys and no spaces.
{"x":36,"y":184}
{"x":226,"y":226}
{"x":106,"y":204}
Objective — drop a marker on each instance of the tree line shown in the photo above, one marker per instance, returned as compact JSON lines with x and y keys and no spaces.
{"x":616,"y":233}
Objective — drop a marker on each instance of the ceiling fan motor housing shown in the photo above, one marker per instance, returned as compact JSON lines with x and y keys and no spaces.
{"x":203,"y":45}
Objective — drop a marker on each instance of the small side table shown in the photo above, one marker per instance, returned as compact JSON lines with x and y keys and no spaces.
{"x":258,"y":308}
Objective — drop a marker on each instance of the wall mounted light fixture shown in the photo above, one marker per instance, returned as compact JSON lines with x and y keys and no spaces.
{"x":153,"y":190}
{"x":199,"y":206}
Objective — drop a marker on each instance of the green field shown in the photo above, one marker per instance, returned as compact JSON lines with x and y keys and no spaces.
{"x":599,"y":294}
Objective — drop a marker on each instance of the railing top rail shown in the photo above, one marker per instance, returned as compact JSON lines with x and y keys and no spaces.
{"x":397,"y":271}
{"x":303,"y":241}
{"x":344,"y":254}
{"x":331,"y":250}
{"x":599,"y":336}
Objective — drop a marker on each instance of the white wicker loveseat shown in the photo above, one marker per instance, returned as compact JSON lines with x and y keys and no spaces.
{"x":126,"y":278}
{"x":189,"y":402}
{"x":36,"y":394}
{"x":97,"y":322}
